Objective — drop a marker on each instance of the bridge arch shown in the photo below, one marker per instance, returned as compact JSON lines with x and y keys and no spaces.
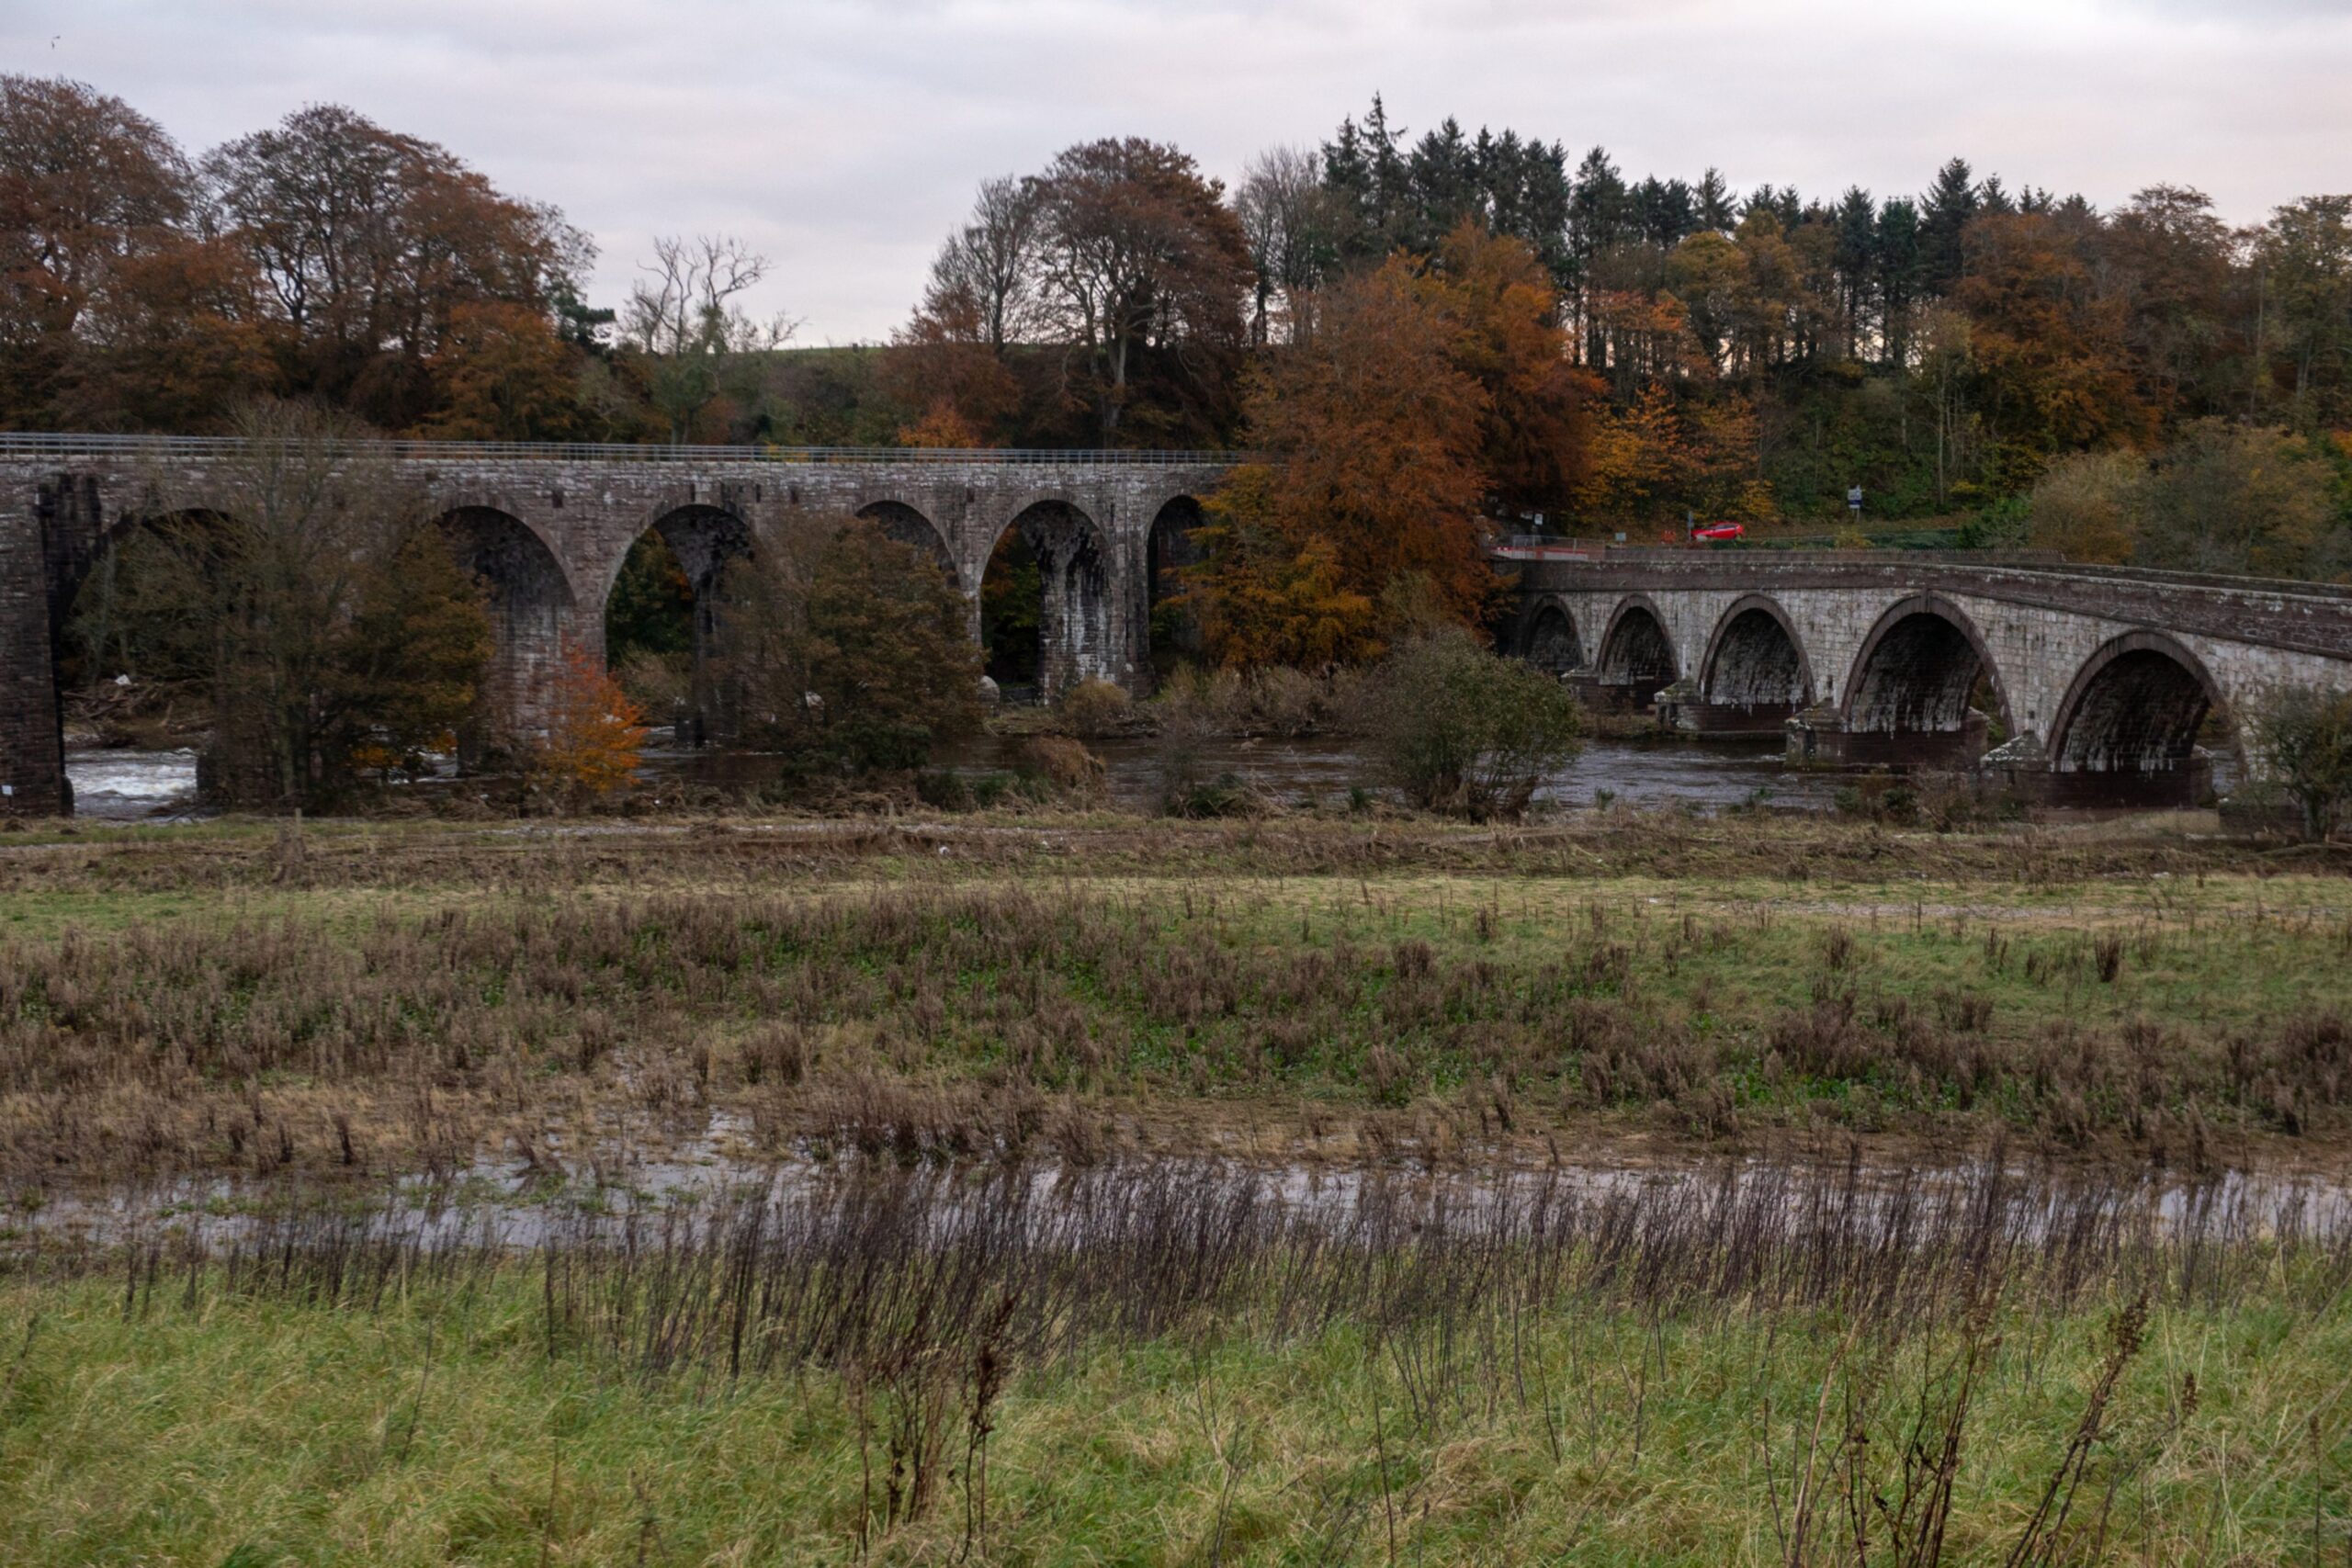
{"x":1550,"y":643}
{"x":94,"y":625}
{"x":2135,"y":707}
{"x":1067,"y":616}
{"x":909,"y":525}
{"x":1636,"y":657}
{"x":1169,"y":629}
{"x":661,"y":598}
{"x":531,"y":605}
{"x":1918,"y":669}
{"x":1755,"y":657}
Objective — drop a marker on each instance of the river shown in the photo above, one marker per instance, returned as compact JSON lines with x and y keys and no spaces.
{"x":129,"y":785}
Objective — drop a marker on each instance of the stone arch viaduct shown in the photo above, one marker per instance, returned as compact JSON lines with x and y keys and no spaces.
{"x":1850,"y":656}
{"x":548,"y":527}
{"x":2080,"y":674}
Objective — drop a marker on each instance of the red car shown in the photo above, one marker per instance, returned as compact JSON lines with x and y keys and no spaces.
{"x":1711,"y":531}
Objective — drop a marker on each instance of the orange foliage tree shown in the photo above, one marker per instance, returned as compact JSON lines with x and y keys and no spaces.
{"x":1429,"y":393}
{"x":1262,"y":594}
{"x":1535,"y":426}
{"x":2051,"y":368}
{"x":595,"y":735}
{"x":944,"y":364}
{"x":1654,"y":462}
{"x":504,"y":375}
{"x":1378,"y":434}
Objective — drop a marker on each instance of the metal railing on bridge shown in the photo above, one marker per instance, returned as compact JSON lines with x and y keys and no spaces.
{"x":41,"y":444}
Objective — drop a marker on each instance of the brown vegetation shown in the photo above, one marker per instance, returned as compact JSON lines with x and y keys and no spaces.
{"x":942,"y":1019}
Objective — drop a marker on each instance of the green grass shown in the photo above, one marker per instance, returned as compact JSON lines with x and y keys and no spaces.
{"x":439,"y":1428}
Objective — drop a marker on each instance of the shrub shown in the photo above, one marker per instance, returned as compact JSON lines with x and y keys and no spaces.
{"x":1093,"y":708}
{"x":1062,"y":762}
{"x":2086,"y":506}
{"x":1283,"y":701}
{"x":1459,"y":730}
{"x":2305,"y":738}
{"x":1277,"y":700}
{"x":596,"y":735}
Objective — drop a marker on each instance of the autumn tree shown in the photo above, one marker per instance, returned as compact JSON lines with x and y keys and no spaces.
{"x":2227,"y":497}
{"x":1658,"y":461}
{"x":2087,"y":507}
{"x":303,"y":586}
{"x":841,"y":646}
{"x":1534,"y":423}
{"x":1265,"y":594}
{"x":1141,"y":257}
{"x":174,"y":340}
{"x":594,"y":737}
{"x":1379,"y":435}
{"x":368,"y":243}
{"x":89,"y":188}
{"x":1639,"y":457}
{"x":501,"y":373}
{"x":2049,"y":362}
{"x":1432,"y":392}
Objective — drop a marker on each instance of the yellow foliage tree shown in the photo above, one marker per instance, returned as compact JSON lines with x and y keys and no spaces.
{"x":1264,"y":595}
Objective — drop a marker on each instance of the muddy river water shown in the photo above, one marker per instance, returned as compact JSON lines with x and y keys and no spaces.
{"x":129,"y":785}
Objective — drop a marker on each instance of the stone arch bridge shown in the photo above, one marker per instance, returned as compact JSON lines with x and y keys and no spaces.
{"x":2062,"y":678}
{"x":1862,"y":655}
{"x":548,"y":527}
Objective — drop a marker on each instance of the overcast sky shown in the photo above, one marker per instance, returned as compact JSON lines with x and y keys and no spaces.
{"x":844,"y":138}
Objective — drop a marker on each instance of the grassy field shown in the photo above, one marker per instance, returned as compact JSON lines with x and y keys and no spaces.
{"x":1148,"y":1369}
{"x":373,"y":1000}
{"x":1029,"y":1297}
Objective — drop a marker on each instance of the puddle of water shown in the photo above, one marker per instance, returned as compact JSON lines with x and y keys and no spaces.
{"x":511,"y":1204}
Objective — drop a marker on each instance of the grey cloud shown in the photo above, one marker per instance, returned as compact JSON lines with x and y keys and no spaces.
{"x":845,"y":137}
